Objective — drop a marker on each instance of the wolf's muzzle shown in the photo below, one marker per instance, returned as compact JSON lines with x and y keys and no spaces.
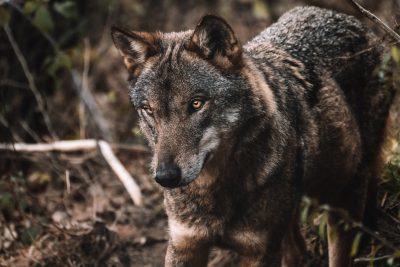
{"x":168,"y":175}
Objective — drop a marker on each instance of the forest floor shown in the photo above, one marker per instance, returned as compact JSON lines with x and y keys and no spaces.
{"x":90,"y":220}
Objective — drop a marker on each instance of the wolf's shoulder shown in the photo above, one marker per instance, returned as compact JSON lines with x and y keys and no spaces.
{"x":308,"y":25}
{"x":315,"y":35}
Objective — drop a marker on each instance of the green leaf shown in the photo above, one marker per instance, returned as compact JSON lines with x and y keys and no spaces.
{"x":260,"y":9}
{"x":304,"y":214}
{"x":6,"y":201}
{"x":4,"y":16}
{"x":43,"y":20}
{"x":111,"y":97}
{"x":322,"y":225}
{"x":395,"y":54}
{"x":30,"y":234}
{"x":30,"y":7}
{"x":396,"y":254}
{"x":137,"y":8}
{"x":61,"y":60}
{"x":66,"y":9}
{"x":356,"y":244}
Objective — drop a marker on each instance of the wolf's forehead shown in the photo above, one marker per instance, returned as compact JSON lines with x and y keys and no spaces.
{"x":173,"y":37}
{"x":175,"y":72}
{"x":163,"y":84}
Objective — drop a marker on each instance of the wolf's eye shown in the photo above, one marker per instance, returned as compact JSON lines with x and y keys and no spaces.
{"x":197,"y":104}
{"x":147,"y":109}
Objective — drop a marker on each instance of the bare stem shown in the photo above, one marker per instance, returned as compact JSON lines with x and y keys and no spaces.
{"x":378,"y":21}
{"x":356,"y":224}
{"x":31,"y":81}
{"x":81,"y":86}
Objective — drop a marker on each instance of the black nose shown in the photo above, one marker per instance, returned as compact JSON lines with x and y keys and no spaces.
{"x":168,"y":175}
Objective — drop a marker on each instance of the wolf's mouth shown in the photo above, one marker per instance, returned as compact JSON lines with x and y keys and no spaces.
{"x":184,"y":182}
{"x":206,"y":159}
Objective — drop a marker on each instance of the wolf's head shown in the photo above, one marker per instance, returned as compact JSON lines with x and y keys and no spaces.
{"x":189,"y":92}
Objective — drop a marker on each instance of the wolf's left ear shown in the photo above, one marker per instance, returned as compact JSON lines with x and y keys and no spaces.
{"x":214,"y":40}
{"x":135,"y":47}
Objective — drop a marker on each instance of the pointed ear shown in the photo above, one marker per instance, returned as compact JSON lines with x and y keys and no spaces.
{"x":135,"y":47}
{"x":214,"y":40}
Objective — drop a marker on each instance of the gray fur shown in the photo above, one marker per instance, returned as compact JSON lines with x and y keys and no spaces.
{"x":285,"y":115}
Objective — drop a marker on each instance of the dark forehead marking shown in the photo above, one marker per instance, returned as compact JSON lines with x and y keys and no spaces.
{"x":165,"y":84}
{"x":179,"y":53}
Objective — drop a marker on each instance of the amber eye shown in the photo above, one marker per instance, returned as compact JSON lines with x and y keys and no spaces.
{"x":197,"y":104}
{"x":147,"y":109}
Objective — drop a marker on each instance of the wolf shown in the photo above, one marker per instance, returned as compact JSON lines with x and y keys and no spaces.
{"x":240,"y":133}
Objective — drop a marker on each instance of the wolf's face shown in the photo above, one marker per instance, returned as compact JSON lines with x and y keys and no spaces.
{"x":186,"y":92}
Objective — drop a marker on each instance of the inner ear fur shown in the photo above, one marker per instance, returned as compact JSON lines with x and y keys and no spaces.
{"x":135,"y":47}
{"x":214,"y":40}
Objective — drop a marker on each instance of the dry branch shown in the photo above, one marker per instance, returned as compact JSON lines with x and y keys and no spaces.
{"x":377,"y":20}
{"x":31,"y":81}
{"x":81,"y":86}
{"x":130,"y":185}
{"x":369,"y":260}
{"x":88,"y":144}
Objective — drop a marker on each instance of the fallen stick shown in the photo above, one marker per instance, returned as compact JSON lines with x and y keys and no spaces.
{"x":130,"y":185}
{"x":373,"y":259}
{"x":69,"y":146}
{"x":87,"y":144}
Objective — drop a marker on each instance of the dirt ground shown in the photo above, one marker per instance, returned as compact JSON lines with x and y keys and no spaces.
{"x":91,"y":220}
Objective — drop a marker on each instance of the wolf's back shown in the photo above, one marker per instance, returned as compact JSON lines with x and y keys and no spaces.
{"x":326,"y":41}
{"x":340,"y":46}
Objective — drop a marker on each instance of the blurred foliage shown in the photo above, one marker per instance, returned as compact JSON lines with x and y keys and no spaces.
{"x":390,"y":186}
{"x":4,"y":16}
{"x":49,"y":35}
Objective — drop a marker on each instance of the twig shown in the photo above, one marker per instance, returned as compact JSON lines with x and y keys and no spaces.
{"x":28,"y":129}
{"x":68,"y":146}
{"x":43,"y":33}
{"x":125,"y":177}
{"x":63,"y":146}
{"x":82,"y":88}
{"x":375,"y":259}
{"x":5,"y":123}
{"x":377,"y":20}
{"x":344,"y":215}
{"x":15,"y":84}
{"x":31,"y":80}
{"x":375,"y":236}
{"x":88,"y":144}
{"x":356,"y":224}
{"x":67,"y":182}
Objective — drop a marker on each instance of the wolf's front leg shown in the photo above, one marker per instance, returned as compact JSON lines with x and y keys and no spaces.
{"x":187,"y":254}
{"x":188,"y":245}
{"x":258,"y":249}
{"x":272,"y":258}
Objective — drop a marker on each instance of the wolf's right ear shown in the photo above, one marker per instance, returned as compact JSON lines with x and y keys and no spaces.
{"x":135,"y":47}
{"x":214,"y":40}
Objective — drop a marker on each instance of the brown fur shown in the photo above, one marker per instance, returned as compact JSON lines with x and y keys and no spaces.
{"x":295,"y":111}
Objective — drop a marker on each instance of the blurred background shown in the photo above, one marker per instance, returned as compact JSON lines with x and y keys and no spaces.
{"x":61,"y":79}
